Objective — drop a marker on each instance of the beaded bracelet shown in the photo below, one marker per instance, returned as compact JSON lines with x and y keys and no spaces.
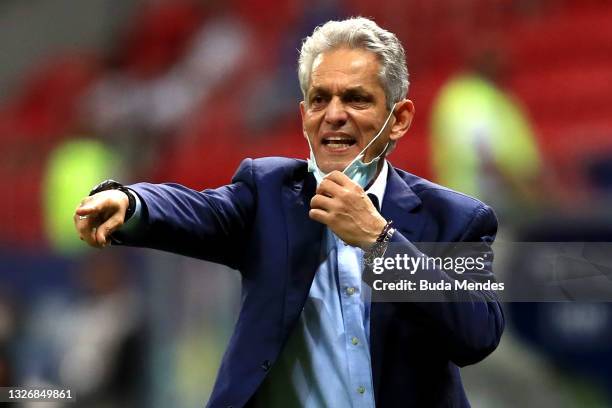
{"x":384,"y":232}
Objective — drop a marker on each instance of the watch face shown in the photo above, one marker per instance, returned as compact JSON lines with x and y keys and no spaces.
{"x":105,"y":185}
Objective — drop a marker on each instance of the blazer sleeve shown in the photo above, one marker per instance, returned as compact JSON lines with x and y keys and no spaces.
{"x":212,"y":224}
{"x":467,"y":323}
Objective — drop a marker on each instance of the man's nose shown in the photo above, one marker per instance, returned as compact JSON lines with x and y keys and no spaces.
{"x":335,"y":114}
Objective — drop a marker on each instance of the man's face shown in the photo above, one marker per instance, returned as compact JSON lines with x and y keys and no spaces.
{"x":345,"y":108}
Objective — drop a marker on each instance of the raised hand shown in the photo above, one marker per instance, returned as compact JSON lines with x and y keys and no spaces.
{"x":99,"y":215}
{"x":346,"y":209}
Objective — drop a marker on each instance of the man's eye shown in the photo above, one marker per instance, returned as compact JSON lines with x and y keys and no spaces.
{"x":317,"y":101}
{"x":358,"y":99}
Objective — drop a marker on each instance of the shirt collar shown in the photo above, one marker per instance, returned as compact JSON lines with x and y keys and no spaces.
{"x":380,"y":184}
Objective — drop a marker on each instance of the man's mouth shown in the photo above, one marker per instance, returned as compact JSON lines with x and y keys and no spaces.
{"x":338,"y":142}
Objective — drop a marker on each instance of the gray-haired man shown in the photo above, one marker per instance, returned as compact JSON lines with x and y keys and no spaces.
{"x":298,"y":231}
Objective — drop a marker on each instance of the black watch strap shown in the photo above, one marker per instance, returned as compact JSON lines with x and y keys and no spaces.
{"x":114,"y":185}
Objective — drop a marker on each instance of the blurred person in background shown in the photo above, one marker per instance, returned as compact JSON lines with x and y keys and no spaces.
{"x":482,"y":141}
{"x":93,"y":342}
{"x":298,"y":231}
{"x":170,"y":64}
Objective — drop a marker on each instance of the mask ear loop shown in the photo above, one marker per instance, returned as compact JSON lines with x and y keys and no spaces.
{"x":310,"y":147}
{"x":360,"y":155}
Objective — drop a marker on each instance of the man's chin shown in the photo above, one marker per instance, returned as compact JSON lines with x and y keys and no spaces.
{"x":330,"y":163}
{"x":329,"y":167}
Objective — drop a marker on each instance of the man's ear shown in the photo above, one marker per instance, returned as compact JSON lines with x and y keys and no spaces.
{"x":404,"y":112}
{"x":302,"y":113}
{"x":302,"y":110}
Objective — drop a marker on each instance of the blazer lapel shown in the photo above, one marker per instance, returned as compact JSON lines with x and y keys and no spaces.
{"x":401,"y":205}
{"x":304,"y":238}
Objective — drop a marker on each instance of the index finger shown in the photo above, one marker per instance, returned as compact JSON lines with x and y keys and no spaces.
{"x":85,"y":211}
{"x":339,"y":178}
{"x":89,"y":206}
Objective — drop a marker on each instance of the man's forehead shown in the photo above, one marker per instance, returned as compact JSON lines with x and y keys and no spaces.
{"x":354,"y":67}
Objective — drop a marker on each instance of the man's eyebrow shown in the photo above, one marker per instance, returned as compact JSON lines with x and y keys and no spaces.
{"x":319,"y":90}
{"x":357,"y":90}
{"x":348,"y":91}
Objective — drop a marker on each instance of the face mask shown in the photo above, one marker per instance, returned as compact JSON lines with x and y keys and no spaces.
{"x":358,"y":171}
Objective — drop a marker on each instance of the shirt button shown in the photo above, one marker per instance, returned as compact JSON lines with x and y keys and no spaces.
{"x":361,"y":389}
{"x":266,"y":365}
{"x":350,"y":291}
{"x":355,"y":341}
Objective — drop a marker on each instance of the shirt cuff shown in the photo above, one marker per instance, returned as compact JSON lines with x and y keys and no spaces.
{"x":131,"y":226}
{"x":134,"y":220}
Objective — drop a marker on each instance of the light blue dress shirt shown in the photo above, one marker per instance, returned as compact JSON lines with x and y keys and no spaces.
{"x":326,"y":362}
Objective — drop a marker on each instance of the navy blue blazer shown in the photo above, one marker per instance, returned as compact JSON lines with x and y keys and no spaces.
{"x":259,"y":225}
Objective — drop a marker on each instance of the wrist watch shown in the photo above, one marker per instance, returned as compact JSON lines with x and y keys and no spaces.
{"x":378,"y":249}
{"x":114,"y":185}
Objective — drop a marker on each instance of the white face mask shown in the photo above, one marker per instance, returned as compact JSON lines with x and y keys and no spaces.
{"x":358,"y":171}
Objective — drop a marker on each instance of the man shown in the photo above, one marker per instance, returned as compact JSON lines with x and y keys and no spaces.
{"x":308,"y":333}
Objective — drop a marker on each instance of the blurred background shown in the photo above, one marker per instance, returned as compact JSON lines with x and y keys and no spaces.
{"x":514,"y":106}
